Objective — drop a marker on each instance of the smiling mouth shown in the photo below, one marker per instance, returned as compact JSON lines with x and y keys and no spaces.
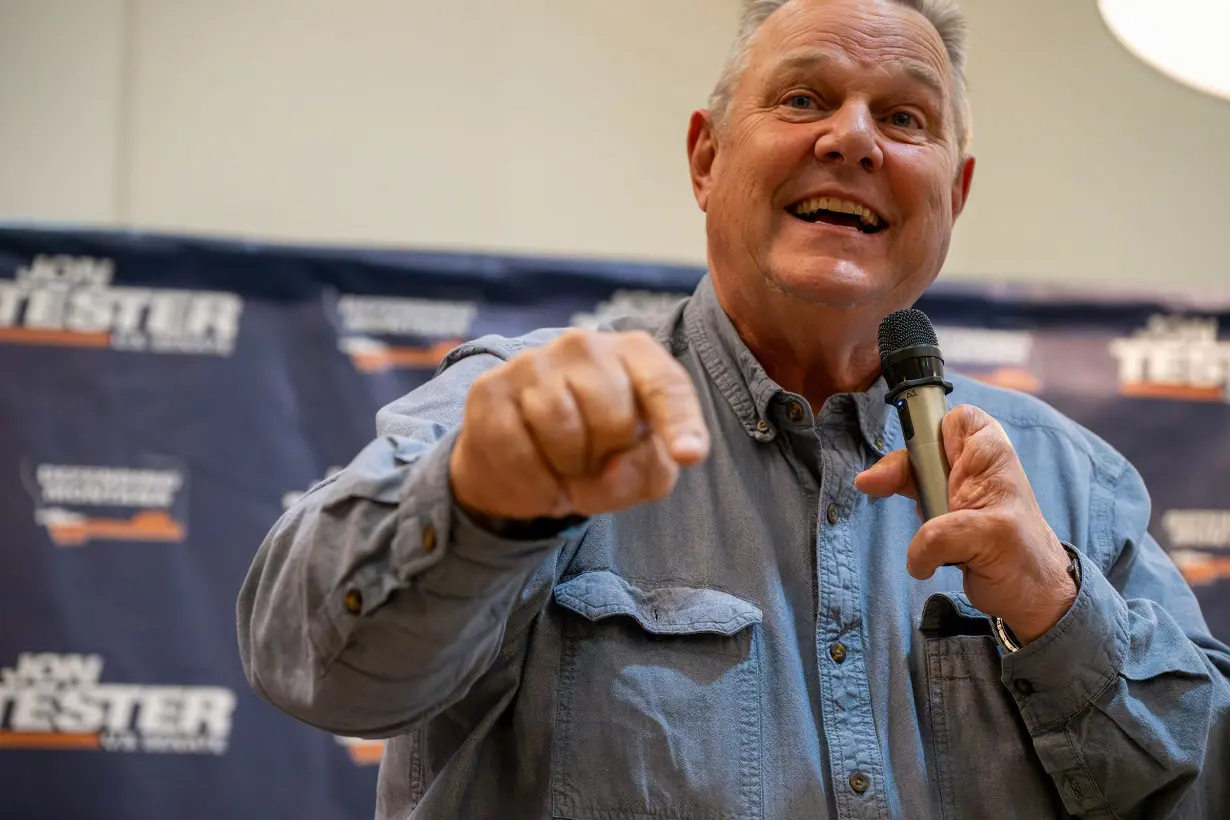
{"x":839,"y":212}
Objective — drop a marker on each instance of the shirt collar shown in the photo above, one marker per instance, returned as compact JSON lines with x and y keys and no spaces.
{"x":749,"y":390}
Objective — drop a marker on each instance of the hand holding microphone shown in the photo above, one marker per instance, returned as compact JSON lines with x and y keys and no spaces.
{"x":982,"y":515}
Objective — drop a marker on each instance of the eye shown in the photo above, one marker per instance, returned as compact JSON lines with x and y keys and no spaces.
{"x":903,"y":119}
{"x":801,"y":102}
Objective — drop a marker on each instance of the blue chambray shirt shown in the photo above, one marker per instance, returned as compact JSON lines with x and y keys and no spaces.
{"x":751,"y":647}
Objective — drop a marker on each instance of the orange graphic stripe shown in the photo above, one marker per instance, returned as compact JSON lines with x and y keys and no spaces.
{"x":1012,"y":378}
{"x":151,"y":525}
{"x":58,"y":338}
{"x":1182,"y":392}
{"x":46,"y":740}
{"x":375,"y":361}
{"x":366,"y":754}
{"x":1202,"y":573}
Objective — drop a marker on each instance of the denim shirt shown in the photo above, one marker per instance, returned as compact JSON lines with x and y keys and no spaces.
{"x":750,"y":647}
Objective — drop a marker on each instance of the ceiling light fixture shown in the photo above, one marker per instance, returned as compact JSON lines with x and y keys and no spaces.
{"x":1187,"y":40}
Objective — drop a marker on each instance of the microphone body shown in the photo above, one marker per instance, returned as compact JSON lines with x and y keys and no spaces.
{"x":926,"y":407}
{"x":913,"y":368}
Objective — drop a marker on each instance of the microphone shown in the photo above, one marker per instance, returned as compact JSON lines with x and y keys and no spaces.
{"x":913,"y":367}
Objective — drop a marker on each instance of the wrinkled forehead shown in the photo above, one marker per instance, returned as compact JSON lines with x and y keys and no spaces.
{"x":871,"y":35}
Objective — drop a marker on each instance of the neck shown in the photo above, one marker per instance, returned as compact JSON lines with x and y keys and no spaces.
{"x":813,"y":350}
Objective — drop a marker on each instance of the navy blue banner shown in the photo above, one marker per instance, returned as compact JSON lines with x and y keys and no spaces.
{"x":166,"y":398}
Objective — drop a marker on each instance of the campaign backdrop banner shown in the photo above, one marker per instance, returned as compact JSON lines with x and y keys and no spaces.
{"x":164,"y":399}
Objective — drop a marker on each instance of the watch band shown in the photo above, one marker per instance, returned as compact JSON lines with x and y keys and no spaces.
{"x":1004,"y":635}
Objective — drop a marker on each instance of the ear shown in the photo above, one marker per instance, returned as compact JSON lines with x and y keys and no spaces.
{"x":702,"y":151}
{"x":961,"y":186}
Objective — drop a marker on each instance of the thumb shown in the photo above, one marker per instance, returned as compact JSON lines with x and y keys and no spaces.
{"x":667,"y":399}
{"x":959,"y":425}
{"x":889,"y":476}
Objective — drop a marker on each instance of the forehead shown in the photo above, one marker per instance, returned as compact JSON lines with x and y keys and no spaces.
{"x":869,"y":33}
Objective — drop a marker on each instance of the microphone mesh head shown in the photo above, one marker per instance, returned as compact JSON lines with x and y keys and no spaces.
{"x":906,"y":328}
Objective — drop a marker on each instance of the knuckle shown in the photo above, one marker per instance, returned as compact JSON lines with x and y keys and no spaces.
{"x":529,"y":368}
{"x":637,"y":339}
{"x":487,"y":385}
{"x":551,"y":405}
{"x":576,"y":343}
{"x":600,"y":381}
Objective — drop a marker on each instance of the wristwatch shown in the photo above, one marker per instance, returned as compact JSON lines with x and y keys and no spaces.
{"x":1004,"y":635}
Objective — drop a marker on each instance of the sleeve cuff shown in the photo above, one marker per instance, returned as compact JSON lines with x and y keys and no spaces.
{"x":479,"y":561}
{"x":1061,"y":673}
{"x":433,"y":545}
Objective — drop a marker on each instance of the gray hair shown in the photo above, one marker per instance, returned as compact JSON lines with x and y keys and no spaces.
{"x":945,"y":15}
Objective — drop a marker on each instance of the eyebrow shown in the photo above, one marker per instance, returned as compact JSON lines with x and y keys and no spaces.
{"x":916,"y":70}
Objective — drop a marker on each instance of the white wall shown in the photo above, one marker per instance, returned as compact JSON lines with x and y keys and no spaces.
{"x":61,"y":108}
{"x":557,"y":127}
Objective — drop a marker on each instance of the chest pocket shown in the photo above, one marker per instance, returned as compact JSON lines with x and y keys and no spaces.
{"x":985,"y":761}
{"x":658,"y":712}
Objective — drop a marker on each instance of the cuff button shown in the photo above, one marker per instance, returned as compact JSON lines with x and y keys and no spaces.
{"x":1023,"y":687}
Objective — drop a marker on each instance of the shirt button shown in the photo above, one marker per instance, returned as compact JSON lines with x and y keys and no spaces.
{"x":353,"y":602}
{"x":879,"y":443}
{"x":859,"y":782}
{"x":1023,"y":687}
{"x":832,"y":515}
{"x":794,"y":412}
{"x":429,"y":538}
{"x":838,"y":652}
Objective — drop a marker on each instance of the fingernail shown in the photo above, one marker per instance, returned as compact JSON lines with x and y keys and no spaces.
{"x":688,"y":445}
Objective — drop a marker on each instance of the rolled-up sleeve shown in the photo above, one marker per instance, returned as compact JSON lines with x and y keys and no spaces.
{"x":1127,"y":698}
{"x":374,"y":601}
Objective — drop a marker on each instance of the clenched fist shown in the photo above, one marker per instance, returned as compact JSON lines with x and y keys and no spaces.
{"x":590,"y":423}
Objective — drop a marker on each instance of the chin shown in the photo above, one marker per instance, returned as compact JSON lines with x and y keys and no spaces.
{"x":829,"y":282}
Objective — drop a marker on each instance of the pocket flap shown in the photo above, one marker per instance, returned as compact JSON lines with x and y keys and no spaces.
{"x":666,"y":611}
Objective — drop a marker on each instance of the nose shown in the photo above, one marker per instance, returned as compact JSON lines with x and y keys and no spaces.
{"x":850,"y":139}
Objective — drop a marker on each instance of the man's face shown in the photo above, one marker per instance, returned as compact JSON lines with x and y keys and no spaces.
{"x":844,"y":107}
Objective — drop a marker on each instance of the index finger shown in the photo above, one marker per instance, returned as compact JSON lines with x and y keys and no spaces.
{"x":889,"y":476}
{"x":666,"y":397}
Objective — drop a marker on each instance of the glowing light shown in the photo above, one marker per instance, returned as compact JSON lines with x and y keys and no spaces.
{"x":1187,"y":40}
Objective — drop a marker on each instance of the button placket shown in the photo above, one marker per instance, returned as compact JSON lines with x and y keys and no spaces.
{"x":846,"y":711}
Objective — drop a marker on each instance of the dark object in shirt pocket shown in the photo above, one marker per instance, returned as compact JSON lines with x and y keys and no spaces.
{"x":658,"y":708}
{"x":984,"y":758}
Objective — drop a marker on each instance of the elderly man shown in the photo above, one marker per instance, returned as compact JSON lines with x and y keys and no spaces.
{"x":631,"y":575}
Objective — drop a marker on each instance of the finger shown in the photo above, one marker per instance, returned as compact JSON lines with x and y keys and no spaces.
{"x":647,"y":472}
{"x":550,"y":412}
{"x":952,"y":538}
{"x":603,"y":394}
{"x":667,"y":398}
{"x":497,"y":468}
{"x":889,"y":476}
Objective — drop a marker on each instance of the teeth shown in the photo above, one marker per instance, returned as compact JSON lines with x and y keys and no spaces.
{"x":840,"y":206}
